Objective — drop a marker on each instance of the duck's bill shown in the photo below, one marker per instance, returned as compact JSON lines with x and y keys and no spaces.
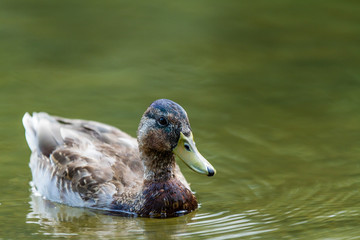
{"x":187,"y":151}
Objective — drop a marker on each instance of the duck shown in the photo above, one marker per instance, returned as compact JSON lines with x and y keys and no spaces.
{"x":89,"y":164}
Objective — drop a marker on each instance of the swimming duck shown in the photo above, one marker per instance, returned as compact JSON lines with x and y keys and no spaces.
{"x":90,"y":164}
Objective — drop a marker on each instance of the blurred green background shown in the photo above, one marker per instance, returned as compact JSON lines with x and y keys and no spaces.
{"x":272,"y":89}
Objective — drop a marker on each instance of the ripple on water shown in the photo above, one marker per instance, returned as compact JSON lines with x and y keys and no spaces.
{"x":315,"y":209}
{"x":223,"y":226}
{"x":304,"y":210}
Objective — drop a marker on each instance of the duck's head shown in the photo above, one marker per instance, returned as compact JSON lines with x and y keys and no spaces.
{"x":165,"y":129}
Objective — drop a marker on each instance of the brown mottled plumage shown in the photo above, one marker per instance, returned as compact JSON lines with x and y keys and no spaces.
{"x":90,"y":164}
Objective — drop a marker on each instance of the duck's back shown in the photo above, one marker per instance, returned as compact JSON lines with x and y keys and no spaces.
{"x":81,"y":163}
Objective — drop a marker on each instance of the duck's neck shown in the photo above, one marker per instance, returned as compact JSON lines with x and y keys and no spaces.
{"x":163,"y":194}
{"x":168,"y":198}
{"x":158,"y":166}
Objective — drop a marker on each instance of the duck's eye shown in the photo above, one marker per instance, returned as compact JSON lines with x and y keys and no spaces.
{"x":162,"y":121}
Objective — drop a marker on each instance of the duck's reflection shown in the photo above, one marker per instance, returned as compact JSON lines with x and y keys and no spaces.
{"x":59,"y":220}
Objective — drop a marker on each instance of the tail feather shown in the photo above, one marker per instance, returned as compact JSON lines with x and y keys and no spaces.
{"x":41,"y":133}
{"x":30,"y":132}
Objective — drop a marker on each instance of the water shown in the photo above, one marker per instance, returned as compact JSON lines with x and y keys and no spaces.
{"x":271,"y":88}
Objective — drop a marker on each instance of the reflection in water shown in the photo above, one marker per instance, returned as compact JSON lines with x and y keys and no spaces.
{"x":61,"y":220}
{"x":57,"y":220}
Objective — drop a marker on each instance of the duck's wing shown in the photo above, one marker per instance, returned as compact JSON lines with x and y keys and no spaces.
{"x":81,"y":163}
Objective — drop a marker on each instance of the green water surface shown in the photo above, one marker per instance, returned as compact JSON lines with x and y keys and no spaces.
{"x":272,"y":90}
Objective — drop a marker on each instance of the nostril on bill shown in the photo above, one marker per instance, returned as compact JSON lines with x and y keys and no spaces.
{"x":187,"y":147}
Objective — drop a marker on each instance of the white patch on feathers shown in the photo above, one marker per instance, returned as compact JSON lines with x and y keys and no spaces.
{"x":30,"y":131}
